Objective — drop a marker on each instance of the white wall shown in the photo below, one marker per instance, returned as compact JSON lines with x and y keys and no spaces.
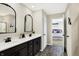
{"x":37,"y":21}
{"x":75,"y":36}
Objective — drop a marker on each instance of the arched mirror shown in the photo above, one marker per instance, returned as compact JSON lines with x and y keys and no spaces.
{"x":28,"y":23}
{"x":7,"y":19}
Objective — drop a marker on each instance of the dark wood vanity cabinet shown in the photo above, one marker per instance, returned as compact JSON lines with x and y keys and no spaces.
{"x":29,"y":48}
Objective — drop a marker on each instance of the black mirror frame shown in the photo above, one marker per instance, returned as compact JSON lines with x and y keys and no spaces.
{"x":15,"y":16}
{"x":25,"y":22}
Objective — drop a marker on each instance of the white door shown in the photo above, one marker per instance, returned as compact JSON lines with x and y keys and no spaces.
{"x":45,"y":31}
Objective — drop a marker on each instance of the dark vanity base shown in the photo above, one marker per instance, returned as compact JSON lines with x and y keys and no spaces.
{"x":29,"y":48}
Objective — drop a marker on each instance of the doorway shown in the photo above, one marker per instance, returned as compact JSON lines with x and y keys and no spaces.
{"x":58,"y":36}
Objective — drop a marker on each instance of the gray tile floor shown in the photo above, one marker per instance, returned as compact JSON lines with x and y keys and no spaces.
{"x":52,"y":51}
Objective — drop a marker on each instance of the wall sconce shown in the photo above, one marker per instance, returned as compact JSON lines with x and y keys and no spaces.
{"x":69,"y":21}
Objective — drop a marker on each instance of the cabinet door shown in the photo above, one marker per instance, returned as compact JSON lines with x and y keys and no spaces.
{"x":23,"y":52}
{"x":30,"y":48}
{"x":37,"y":45}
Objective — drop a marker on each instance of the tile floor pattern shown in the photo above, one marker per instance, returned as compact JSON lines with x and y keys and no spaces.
{"x":52,"y":51}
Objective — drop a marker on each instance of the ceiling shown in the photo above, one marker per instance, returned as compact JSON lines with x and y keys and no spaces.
{"x":49,"y":8}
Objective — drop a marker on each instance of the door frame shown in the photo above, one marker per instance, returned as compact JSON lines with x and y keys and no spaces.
{"x":65,"y":35}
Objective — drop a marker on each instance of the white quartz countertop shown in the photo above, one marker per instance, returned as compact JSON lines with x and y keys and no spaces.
{"x":16,"y":41}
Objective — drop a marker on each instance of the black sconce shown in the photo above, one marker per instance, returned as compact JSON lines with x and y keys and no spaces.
{"x":69,"y":21}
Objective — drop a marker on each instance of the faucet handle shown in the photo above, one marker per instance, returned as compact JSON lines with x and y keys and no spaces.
{"x":8,"y":39}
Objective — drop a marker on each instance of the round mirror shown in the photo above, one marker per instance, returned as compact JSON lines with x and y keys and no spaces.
{"x":7,"y":19}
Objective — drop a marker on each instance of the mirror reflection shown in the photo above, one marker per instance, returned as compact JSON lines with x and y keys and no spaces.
{"x":7,"y":19}
{"x":28,"y":24}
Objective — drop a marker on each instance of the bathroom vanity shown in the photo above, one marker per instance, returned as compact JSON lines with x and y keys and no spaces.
{"x":28,"y":46}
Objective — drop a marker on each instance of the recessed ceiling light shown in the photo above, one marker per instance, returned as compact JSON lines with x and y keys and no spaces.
{"x":33,"y":6}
